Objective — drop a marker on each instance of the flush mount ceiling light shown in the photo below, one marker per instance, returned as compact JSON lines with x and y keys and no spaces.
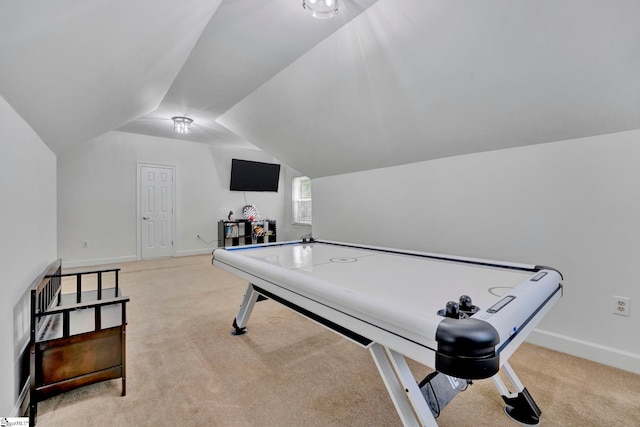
{"x":181,"y":124}
{"x":321,"y":9}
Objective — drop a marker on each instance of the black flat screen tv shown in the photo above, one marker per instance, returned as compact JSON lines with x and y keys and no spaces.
{"x":247,"y":175}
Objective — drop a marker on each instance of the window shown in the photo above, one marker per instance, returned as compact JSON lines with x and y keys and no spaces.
{"x":301,"y":200}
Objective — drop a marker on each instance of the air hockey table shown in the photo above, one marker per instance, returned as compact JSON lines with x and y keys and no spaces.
{"x":462,"y":317}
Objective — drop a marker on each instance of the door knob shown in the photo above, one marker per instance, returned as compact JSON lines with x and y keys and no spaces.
{"x":145,"y":217}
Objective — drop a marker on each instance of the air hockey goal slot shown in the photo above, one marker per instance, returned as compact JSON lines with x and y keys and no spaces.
{"x":343,"y":260}
{"x":500,"y":304}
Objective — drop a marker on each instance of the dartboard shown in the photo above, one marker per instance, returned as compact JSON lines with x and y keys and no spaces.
{"x":250,"y":212}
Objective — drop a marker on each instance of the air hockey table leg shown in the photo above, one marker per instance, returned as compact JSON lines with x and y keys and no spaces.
{"x":241,"y":319}
{"x":520,"y":405}
{"x":402,"y":387}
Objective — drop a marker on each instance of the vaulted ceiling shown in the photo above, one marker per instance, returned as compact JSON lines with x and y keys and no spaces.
{"x":386,"y":82}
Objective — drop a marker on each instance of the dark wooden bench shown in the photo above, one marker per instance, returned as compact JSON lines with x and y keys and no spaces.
{"x":77,"y":338}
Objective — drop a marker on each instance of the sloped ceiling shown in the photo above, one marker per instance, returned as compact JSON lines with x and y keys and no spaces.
{"x":75,"y":70}
{"x":386,"y":82}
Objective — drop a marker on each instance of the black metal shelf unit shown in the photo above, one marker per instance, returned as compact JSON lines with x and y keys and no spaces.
{"x":244,"y":232}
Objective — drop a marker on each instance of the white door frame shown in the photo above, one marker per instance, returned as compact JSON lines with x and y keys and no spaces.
{"x":140,"y":165}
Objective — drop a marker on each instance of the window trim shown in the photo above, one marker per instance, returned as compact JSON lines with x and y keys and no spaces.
{"x":296,"y":182}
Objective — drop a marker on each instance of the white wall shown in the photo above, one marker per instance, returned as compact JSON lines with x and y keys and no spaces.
{"x":97,"y":195}
{"x":28,"y":233}
{"x":573,"y":205}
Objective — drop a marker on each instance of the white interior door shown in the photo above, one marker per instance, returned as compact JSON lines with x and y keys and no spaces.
{"x":156,"y":209}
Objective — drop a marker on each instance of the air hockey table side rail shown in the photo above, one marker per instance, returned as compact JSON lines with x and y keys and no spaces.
{"x":468,"y":347}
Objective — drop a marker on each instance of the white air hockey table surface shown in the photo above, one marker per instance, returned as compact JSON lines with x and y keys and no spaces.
{"x":395,"y":301}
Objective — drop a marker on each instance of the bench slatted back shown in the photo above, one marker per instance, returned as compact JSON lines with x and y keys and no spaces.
{"x":99,"y":274}
{"x":46,"y":293}
{"x":44,"y":290}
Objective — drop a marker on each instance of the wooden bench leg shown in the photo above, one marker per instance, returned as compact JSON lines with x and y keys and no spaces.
{"x":33,"y":409}
{"x":123,"y":357}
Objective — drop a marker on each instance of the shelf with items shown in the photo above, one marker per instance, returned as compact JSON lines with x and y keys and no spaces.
{"x":234,"y":233}
{"x":263,"y":231}
{"x":245,"y":232}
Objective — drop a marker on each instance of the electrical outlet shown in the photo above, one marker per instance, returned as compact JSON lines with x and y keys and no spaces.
{"x":622,"y":306}
{"x":85,"y":244}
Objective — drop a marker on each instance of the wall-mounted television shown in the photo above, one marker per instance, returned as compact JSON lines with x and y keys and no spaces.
{"x":247,"y":175}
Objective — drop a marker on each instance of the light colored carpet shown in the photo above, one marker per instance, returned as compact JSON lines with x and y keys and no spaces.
{"x":185,"y":369}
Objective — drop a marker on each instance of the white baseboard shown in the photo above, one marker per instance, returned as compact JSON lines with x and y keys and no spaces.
{"x":204,"y":251}
{"x":19,"y":407}
{"x":587,"y":350}
{"x":116,"y":260}
{"x":98,"y":261}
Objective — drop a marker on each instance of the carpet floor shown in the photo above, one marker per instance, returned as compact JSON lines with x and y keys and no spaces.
{"x":184,"y":368}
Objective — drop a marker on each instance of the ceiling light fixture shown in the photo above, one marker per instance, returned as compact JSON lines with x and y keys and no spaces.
{"x":181,"y":124}
{"x":321,"y":9}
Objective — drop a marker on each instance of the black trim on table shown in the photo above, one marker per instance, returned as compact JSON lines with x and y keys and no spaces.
{"x":544,"y":267}
{"x":526,"y":322}
{"x":431,"y":256}
{"x":327,"y":323}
